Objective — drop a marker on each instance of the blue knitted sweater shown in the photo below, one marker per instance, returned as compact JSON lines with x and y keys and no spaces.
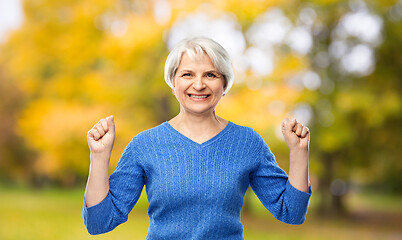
{"x":195,"y":191}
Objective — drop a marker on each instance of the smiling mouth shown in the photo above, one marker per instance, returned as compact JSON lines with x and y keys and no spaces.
{"x":198,"y":96}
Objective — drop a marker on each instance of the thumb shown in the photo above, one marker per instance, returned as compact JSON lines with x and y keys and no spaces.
{"x":288,"y":125}
{"x":110,"y":123}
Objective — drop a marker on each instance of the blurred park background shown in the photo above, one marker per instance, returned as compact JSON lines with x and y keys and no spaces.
{"x":334,"y":65}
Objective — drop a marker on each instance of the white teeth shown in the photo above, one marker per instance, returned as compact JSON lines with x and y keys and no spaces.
{"x":195,"y":96}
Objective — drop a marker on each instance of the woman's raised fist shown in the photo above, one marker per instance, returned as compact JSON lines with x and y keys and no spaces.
{"x":101,"y":136}
{"x":296,"y":135}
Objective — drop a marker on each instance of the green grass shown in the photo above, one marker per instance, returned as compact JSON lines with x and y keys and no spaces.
{"x":56,"y":214}
{"x":376,"y":201}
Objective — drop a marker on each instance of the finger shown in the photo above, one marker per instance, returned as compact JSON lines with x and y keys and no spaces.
{"x":284,"y":125}
{"x":304,"y":132}
{"x":299,"y":129}
{"x":104,"y":124}
{"x":94,"y":134}
{"x":90,"y":135}
{"x":287,"y":125}
{"x":293,"y":124}
{"x":100,"y":129}
{"x":110,"y":123}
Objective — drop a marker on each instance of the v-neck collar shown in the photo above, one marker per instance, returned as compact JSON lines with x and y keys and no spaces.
{"x":191,"y":142}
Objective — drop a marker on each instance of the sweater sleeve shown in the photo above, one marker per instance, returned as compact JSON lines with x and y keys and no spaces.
{"x":125,"y":187}
{"x":271,"y":185}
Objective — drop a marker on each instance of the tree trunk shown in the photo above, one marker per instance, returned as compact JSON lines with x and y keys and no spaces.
{"x":331,"y":204}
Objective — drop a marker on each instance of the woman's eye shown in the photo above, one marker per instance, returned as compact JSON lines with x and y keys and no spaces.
{"x":211,"y":75}
{"x":186,"y":75}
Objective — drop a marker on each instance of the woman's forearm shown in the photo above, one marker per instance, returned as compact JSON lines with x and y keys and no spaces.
{"x":100,"y":141}
{"x":98,"y":180}
{"x":298,"y":169}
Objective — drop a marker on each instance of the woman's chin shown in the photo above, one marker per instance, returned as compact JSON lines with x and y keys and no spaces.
{"x":200,"y":111}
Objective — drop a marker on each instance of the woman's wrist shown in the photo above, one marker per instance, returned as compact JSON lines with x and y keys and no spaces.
{"x":298,"y":169}
{"x":298,"y":154}
{"x":100,"y":156}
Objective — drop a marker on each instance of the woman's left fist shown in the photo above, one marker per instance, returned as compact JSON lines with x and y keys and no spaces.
{"x":297,"y":136}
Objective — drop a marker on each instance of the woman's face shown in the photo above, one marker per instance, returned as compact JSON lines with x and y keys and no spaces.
{"x":198,"y":85}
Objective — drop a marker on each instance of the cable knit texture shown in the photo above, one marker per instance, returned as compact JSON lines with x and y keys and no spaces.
{"x":195,"y":191}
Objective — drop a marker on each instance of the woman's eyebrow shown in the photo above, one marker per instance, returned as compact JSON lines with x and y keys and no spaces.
{"x":185,"y":70}
{"x":214,"y":72}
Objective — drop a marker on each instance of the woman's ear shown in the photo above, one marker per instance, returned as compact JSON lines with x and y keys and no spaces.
{"x":173,"y":83}
{"x":225,"y":84}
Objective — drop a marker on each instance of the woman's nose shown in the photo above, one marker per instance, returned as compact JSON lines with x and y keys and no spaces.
{"x":199,"y":83}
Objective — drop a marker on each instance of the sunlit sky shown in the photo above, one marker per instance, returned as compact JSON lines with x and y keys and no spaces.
{"x":11,"y":17}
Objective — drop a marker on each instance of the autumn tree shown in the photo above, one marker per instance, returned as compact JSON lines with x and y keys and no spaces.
{"x":333,"y":64}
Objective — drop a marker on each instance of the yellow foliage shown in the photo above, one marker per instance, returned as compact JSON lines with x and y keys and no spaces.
{"x":48,"y":125}
{"x":73,"y":68}
{"x":251,"y":108}
{"x":247,"y":10}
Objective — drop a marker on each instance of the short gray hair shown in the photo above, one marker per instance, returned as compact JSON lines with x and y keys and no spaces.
{"x":218,"y":55}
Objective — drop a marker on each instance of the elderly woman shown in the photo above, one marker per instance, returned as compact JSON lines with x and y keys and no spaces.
{"x":197,"y":166}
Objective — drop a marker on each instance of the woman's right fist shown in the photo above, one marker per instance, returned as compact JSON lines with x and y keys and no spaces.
{"x":101,"y":136}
